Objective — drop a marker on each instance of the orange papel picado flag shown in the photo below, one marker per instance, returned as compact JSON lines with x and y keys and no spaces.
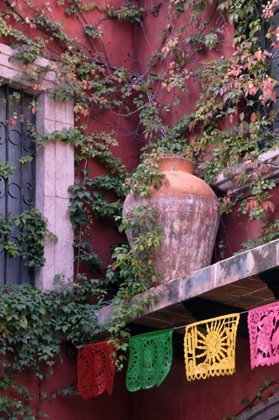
{"x":209,"y":347}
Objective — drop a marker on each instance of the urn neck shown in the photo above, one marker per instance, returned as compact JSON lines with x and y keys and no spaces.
{"x":176,"y":163}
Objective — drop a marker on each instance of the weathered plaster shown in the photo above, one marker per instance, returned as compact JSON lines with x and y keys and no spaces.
{"x":54,"y":169}
{"x":238,"y":267}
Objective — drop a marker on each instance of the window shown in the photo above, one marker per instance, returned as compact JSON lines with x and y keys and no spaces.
{"x":54,"y":169}
{"x":17,"y":192}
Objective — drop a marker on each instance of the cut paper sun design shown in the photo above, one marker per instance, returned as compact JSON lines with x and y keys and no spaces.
{"x":209,"y":347}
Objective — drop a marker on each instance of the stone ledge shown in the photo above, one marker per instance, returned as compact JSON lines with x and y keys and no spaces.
{"x":266,"y":410}
{"x":227,"y":180}
{"x":222,"y":273}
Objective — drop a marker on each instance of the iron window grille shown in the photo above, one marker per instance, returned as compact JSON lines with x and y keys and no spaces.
{"x":17,"y":192}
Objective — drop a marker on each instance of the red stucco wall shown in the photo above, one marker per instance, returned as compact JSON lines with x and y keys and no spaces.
{"x":175,"y":399}
{"x":209,"y":399}
{"x":236,"y":228}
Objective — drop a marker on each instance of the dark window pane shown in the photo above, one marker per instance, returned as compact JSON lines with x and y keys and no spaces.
{"x":17,"y":193}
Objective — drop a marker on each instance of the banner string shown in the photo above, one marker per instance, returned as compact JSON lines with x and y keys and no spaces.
{"x":184,"y":326}
{"x":181,"y":326}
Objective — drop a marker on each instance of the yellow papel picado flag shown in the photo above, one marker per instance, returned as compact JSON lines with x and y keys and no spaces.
{"x":209,"y":347}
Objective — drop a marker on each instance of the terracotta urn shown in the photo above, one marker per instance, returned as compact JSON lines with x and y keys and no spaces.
{"x":188,"y":213}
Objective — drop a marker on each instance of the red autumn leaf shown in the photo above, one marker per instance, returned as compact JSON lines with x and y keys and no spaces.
{"x":12,"y":122}
{"x":252,"y":203}
{"x":268,"y":205}
{"x":253,"y":117}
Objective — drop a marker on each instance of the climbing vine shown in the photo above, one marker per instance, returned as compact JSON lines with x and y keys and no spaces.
{"x":260,"y":395}
{"x":34,"y":324}
{"x":226,"y":48}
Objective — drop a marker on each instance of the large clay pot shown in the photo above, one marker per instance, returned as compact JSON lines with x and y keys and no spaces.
{"x":188,"y":213}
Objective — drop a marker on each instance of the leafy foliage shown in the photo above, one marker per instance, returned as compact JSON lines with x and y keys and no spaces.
{"x":230,"y":122}
{"x":25,"y":236}
{"x":33,"y":324}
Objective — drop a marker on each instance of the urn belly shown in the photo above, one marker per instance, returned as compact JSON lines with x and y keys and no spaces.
{"x":188,"y":214}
